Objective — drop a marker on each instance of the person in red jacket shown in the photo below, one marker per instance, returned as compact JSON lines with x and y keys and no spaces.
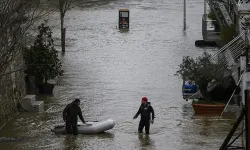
{"x":145,"y":110}
{"x":70,"y":113}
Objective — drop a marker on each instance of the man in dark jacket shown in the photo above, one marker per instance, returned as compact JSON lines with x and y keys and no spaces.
{"x":145,"y":110}
{"x":70,"y":113}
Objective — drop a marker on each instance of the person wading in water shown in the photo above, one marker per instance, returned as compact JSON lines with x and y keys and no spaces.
{"x":70,"y":113}
{"x":145,"y":110}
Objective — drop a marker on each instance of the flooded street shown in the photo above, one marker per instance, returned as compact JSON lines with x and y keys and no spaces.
{"x":110,"y":71}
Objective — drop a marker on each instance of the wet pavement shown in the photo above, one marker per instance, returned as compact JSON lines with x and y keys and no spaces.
{"x":110,"y":71}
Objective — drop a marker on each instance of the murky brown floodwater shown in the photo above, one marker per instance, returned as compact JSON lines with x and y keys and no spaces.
{"x":110,"y":71}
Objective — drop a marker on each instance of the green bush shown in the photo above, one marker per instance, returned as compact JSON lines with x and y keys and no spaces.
{"x":211,"y":16}
{"x":202,"y":70}
{"x":41,"y":59}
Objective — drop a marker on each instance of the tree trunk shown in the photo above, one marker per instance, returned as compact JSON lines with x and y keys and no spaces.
{"x":206,"y":95}
{"x":204,"y":92}
{"x":63,"y":32}
{"x":63,"y":39}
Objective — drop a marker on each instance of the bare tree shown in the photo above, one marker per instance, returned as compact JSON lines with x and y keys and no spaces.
{"x":63,"y":6}
{"x":16,"y":18}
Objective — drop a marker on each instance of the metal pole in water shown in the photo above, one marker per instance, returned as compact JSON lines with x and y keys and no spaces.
{"x":205,"y":9}
{"x":205,"y":17}
{"x":184,"y":19}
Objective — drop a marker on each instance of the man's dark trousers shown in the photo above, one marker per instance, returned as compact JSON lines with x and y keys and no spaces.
{"x":143,"y":123}
{"x":71,"y":127}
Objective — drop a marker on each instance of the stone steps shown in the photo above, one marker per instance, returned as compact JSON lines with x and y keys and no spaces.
{"x":29,"y":103}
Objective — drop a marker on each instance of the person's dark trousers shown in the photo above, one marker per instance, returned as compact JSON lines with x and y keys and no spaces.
{"x":71,"y":128}
{"x":143,"y":123}
{"x":75,"y":129}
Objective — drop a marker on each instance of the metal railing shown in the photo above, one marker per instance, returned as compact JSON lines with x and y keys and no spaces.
{"x":227,"y":55}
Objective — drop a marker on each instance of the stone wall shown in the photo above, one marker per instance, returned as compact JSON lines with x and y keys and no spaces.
{"x":12,"y":88}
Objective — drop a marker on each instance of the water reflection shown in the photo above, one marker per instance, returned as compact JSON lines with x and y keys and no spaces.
{"x":70,"y":142}
{"x":145,"y":141}
{"x":110,"y":70}
{"x":106,"y":135}
{"x":95,"y":3}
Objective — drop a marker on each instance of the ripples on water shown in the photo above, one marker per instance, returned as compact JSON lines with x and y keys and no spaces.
{"x":110,"y":71}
